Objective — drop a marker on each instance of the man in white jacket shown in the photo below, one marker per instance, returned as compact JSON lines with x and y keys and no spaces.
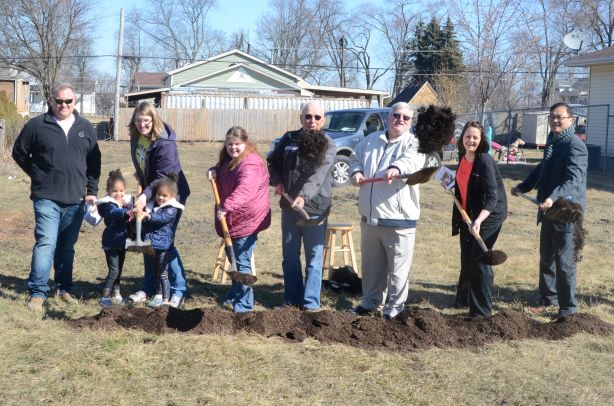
{"x":390,"y":210}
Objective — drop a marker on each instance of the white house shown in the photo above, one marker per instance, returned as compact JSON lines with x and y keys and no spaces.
{"x":600,"y":116}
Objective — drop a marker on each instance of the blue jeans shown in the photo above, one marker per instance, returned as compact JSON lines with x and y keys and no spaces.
{"x":241,"y":296}
{"x":56,"y":231}
{"x":298,"y":291}
{"x":176,"y":273}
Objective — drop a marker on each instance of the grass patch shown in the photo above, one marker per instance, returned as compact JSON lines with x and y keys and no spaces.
{"x":45,"y":360}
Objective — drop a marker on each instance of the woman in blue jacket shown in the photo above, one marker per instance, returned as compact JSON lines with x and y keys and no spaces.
{"x":154,"y":154}
{"x":479,"y":188}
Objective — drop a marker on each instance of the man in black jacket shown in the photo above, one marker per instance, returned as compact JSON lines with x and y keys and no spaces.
{"x":301,"y":165}
{"x":561,"y":174}
{"x":59,"y":152}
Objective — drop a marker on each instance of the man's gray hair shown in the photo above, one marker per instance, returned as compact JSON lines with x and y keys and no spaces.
{"x":312,"y":103}
{"x":402,"y":105}
{"x":62,"y":86}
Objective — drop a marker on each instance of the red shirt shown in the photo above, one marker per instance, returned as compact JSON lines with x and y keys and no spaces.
{"x":462,"y":179}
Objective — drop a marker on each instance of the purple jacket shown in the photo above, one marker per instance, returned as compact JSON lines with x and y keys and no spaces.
{"x":244,"y":194}
{"x":162,"y":159}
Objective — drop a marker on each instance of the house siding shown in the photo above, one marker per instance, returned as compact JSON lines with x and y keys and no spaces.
{"x":260,"y":82}
{"x":601,"y":92}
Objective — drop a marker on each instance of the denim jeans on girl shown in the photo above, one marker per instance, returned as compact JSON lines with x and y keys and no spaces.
{"x":56,"y":231}
{"x":176,"y":275}
{"x":242,"y":296}
{"x":298,"y":291}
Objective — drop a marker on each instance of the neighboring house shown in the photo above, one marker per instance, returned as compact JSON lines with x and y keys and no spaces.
{"x":16,"y":85}
{"x":600,"y":99}
{"x":418,"y":94}
{"x":573,"y":92}
{"x":86,"y":103}
{"x":237,"y":80}
{"x":148,"y":81}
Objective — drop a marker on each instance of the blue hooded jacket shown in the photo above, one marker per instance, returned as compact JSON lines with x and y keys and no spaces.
{"x":116,"y":222}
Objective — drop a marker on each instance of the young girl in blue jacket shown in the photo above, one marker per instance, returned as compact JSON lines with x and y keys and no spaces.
{"x":114,"y":208}
{"x":161,"y":218}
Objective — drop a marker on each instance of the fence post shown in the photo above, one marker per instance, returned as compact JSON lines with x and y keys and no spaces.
{"x":2,"y":135}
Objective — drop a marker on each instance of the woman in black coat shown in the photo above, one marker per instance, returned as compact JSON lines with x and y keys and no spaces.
{"x":479,"y":188}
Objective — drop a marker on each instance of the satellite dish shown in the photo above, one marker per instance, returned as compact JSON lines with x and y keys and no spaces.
{"x":576,"y":40}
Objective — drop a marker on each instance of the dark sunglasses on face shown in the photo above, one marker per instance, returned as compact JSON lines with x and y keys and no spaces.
{"x":398,"y":116}
{"x":60,"y":101}
{"x":317,"y":117}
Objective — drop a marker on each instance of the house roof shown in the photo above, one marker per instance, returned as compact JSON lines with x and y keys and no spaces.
{"x":410,"y":91}
{"x":603,"y":57}
{"x":236,"y":67}
{"x":234,"y":51}
{"x":153,"y":79}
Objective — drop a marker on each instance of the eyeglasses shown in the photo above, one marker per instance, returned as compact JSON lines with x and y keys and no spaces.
{"x":59,"y":102}
{"x":317,"y":117}
{"x":398,"y":116}
{"x":143,"y":121}
{"x":557,"y":118}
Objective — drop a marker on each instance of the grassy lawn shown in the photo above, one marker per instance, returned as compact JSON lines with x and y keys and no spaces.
{"x":44,"y":359}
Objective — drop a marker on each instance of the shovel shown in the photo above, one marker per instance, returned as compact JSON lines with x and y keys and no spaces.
{"x":562,"y":210}
{"x":234,"y":274}
{"x":433,"y":162}
{"x":489,"y":257}
{"x":138,"y":245}
{"x":299,"y":210}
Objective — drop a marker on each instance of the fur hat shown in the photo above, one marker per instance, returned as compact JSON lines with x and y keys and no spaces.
{"x":312,"y":148}
{"x":434,"y":128}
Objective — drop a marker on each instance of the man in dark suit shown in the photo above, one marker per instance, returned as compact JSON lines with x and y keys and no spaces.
{"x":561,"y":174}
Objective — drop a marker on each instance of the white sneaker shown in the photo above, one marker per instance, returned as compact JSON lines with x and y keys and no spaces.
{"x":117,"y":298}
{"x":176,"y":302}
{"x":138,"y":297}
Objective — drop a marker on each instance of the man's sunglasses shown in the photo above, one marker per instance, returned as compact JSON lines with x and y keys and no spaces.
{"x":317,"y":117}
{"x":398,"y":116}
{"x":60,"y":101}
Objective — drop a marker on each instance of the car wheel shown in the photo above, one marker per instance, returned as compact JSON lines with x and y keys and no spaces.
{"x":341,"y":170}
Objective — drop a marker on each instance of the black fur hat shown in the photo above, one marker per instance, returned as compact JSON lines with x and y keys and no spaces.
{"x":434,"y":128}
{"x":312,"y":147}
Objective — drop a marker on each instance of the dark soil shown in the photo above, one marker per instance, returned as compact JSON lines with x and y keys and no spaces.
{"x":415,"y":329}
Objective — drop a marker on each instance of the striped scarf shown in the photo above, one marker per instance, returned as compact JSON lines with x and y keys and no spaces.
{"x":554,"y":139}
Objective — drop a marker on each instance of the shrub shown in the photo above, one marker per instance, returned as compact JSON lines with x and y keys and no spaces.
{"x":12,"y":125}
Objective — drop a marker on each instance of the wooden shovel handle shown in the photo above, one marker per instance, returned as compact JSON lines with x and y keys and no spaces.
{"x":218,"y":202}
{"x":465,"y":216}
{"x":298,"y":209}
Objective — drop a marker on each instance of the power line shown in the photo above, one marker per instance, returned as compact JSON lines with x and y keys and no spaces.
{"x":296,"y":66}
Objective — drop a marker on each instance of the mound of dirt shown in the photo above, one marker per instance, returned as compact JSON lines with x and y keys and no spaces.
{"x":415,"y":329}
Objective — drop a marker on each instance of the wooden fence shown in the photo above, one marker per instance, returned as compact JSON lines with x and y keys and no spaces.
{"x":211,"y":125}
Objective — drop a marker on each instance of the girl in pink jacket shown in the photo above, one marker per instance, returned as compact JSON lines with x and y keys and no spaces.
{"x":243,"y":184}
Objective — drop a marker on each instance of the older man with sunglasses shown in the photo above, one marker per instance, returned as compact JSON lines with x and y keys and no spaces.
{"x":389,"y":211}
{"x":58,"y":150}
{"x":300,"y":166}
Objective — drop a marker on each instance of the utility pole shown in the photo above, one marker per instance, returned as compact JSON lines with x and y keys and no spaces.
{"x":117,"y":75}
{"x":342,"y":42}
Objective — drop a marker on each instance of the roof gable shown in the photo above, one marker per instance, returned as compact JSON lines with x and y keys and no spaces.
{"x":412,"y":90}
{"x":223,"y":60}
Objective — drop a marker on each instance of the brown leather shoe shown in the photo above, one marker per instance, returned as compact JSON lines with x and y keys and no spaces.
{"x":36,"y":304}
{"x":68,"y":298}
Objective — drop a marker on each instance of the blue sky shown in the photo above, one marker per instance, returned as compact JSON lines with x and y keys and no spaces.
{"x":228,"y":16}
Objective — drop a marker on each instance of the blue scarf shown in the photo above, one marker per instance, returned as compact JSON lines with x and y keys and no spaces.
{"x":554,"y":139}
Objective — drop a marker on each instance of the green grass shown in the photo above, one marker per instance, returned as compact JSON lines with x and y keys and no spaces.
{"x":43,"y":359}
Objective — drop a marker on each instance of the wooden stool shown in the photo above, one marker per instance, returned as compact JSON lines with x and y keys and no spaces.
{"x":347,"y":247}
{"x":222,"y":264}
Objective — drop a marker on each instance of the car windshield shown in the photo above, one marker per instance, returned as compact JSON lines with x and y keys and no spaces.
{"x":345,"y":121}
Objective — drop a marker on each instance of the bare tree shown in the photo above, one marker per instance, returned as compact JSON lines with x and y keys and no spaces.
{"x":36,"y":37}
{"x":597,"y":16}
{"x":179,"y":29}
{"x":487,"y":33}
{"x":136,"y":47}
{"x":542,"y":38}
{"x":360,"y":37}
{"x":396,"y":24}
{"x":290,"y":33}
